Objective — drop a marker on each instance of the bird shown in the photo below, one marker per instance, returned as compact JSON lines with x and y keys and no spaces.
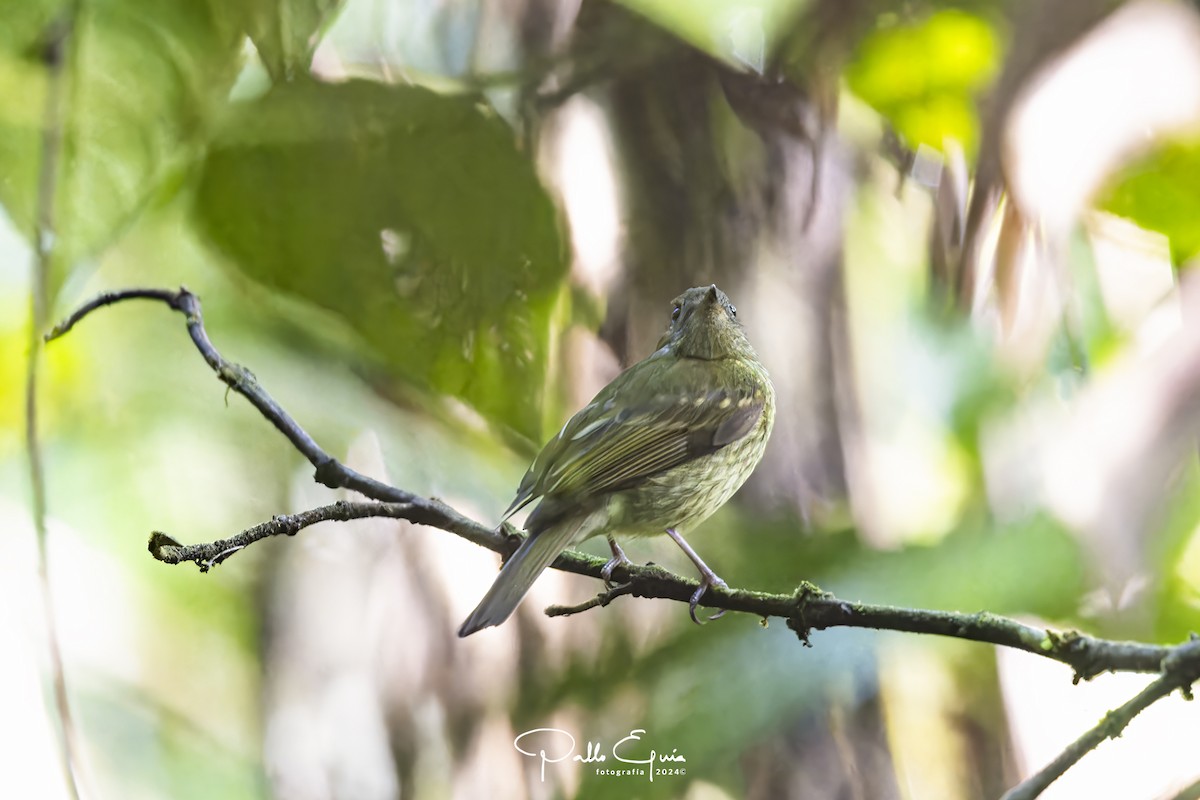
{"x":658,"y":450}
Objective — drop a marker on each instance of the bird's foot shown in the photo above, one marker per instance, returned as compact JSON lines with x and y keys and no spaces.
{"x":707,"y":577}
{"x":619,"y":559}
{"x":706,"y":580}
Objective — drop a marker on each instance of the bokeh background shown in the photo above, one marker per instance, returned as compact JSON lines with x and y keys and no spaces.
{"x":959,"y":233}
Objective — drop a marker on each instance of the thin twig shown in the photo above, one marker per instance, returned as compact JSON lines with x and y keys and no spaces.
{"x":329,"y":471}
{"x":54,"y":57}
{"x":1179,"y":671}
{"x":207,"y":556}
{"x":599,"y":601}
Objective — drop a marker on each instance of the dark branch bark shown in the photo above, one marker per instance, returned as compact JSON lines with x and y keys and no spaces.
{"x":207,"y":556}
{"x":805,"y":610}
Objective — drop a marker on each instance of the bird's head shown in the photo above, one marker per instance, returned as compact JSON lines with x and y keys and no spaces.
{"x":704,"y":324}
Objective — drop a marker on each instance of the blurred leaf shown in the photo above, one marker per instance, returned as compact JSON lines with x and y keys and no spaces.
{"x":286,"y":32}
{"x":412,"y":216}
{"x":923,"y":76}
{"x":980,"y":389}
{"x":1162,"y":193}
{"x":738,"y":32}
{"x":140,"y":80}
{"x":1094,"y":337}
{"x":1030,"y":567}
{"x":67,"y":371}
{"x":1176,"y":594}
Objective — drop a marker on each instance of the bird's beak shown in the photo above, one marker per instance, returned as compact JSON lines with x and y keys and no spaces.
{"x":711,"y":297}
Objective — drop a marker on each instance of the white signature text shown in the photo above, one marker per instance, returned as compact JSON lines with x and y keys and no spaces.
{"x":552,"y":745}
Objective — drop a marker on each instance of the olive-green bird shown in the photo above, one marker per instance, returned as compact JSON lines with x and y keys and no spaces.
{"x":657,"y":450}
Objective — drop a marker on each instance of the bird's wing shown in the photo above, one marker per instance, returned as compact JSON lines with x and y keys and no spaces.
{"x":613,"y":443}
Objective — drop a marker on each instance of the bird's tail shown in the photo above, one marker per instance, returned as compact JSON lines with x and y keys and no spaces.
{"x":519,"y":574}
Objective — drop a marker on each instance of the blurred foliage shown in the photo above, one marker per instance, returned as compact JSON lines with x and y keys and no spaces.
{"x":66,"y":378}
{"x":420,"y":176}
{"x":189,"y":762}
{"x":924,"y":75}
{"x":142,"y":80}
{"x":445,"y":256}
{"x":286,"y":32}
{"x":1161,"y":192}
{"x":1176,"y":553}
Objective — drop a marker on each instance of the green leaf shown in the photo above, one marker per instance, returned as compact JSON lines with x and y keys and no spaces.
{"x":409,"y":214}
{"x":286,"y":32}
{"x":923,"y":76}
{"x":1162,"y":193}
{"x":138,"y":85}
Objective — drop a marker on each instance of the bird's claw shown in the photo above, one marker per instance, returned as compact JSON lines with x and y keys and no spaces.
{"x":619,"y":559}
{"x":607,"y":570}
{"x":705,"y":582}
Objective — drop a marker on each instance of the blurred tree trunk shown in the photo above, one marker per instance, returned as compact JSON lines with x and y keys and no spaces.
{"x":734,"y":179}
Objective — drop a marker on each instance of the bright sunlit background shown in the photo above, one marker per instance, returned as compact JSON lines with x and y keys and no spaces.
{"x":959,"y":235}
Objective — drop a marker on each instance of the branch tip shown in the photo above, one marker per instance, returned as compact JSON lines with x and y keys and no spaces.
{"x":160,"y":543}
{"x":599,"y":601}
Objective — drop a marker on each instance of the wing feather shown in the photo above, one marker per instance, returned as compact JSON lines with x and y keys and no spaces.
{"x":611,"y":444}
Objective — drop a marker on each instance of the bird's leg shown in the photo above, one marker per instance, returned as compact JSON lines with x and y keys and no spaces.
{"x":707,"y":577}
{"x":619,"y":559}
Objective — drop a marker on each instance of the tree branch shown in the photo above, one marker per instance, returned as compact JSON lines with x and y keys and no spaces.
{"x":207,"y":556}
{"x":1179,"y":671}
{"x":807,"y":609}
{"x":599,"y":601}
{"x":329,"y":471}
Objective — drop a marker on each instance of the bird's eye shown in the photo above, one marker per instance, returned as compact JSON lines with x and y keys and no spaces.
{"x":675,"y":313}
{"x":733,"y":310}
